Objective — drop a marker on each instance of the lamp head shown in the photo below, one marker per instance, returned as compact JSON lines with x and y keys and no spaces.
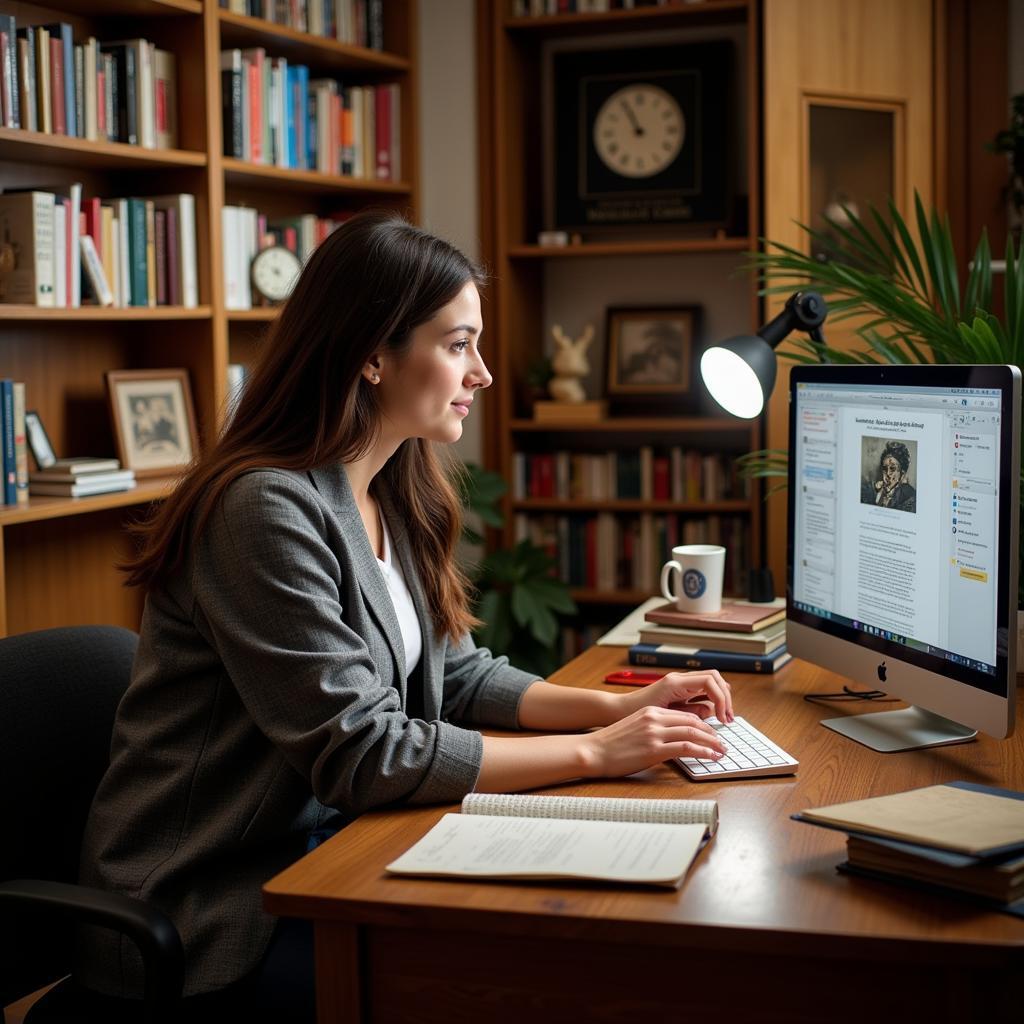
{"x":739,"y":372}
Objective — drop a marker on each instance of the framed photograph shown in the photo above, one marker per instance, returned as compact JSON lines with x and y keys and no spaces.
{"x":38,"y":441}
{"x":640,"y":138}
{"x":154,"y":421}
{"x":650,"y":350}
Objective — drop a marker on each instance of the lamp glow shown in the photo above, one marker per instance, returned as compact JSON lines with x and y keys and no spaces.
{"x":732,"y":382}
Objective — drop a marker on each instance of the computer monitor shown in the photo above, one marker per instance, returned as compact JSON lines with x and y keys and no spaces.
{"x":902,"y":545}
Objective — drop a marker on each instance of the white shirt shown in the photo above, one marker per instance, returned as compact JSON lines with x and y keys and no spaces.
{"x":405,"y":610}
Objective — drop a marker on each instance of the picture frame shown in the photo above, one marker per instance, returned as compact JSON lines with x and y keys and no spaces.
{"x":38,"y":441}
{"x":649,"y":351}
{"x":153,"y":419}
{"x":639,"y":141}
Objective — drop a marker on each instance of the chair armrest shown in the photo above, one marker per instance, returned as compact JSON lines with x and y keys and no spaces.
{"x":150,"y":929}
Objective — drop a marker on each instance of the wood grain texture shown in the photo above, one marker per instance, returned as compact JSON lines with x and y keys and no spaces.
{"x":763,"y":892}
{"x":876,"y":50}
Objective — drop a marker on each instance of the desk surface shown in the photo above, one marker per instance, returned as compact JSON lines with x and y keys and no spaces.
{"x":766,"y":886}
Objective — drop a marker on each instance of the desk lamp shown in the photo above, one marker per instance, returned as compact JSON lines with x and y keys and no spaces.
{"x":740,"y":372}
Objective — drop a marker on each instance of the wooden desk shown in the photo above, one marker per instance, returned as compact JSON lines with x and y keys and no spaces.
{"x":763,"y":928}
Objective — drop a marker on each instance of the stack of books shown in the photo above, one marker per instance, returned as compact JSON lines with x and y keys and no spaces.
{"x":79,"y":478}
{"x":960,"y":836}
{"x":741,"y":637}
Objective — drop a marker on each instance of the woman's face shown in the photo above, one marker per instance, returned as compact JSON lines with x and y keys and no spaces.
{"x":890,"y":472}
{"x":428,"y":391}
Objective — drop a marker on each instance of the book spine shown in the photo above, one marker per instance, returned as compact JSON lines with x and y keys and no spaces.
{"x":7,"y":94}
{"x":150,"y":252}
{"x":67,"y":45}
{"x":160,"y":247}
{"x":94,"y":272}
{"x":173,"y":258}
{"x":137,"y":251}
{"x":43,"y":80}
{"x":10,"y":470}
{"x":382,"y":127}
{"x":187,"y":240}
{"x":78,"y":89}
{"x":231,"y":102}
{"x":29,"y":88}
{"x":44,"y":247}
{"x":165,"y":92}
{"x":145,"y":93}
{"x":20,"y":444}
{"x":650,"y":654}
{"x":90,"y":104}
{"x":57,"y":95}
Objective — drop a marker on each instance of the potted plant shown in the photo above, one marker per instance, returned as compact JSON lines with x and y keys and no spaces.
{"x":518,"y":597}
{"x":905,"y":294}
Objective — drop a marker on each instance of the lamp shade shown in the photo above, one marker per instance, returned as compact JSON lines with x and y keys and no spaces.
{"x":739,"y":373}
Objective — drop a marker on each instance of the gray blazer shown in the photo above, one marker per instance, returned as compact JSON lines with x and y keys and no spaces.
{"x":269,"y":693}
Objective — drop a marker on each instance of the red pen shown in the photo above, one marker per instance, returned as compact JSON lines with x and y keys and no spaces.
{"x":629,"y":678}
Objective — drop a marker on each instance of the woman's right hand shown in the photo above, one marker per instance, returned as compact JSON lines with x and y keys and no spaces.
{"x":645,"y":738}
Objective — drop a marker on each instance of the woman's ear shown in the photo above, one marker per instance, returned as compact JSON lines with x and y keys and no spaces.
{"x":372,"y":369}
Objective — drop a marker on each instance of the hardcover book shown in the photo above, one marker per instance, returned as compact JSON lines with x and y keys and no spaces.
{"x":735,"y":616}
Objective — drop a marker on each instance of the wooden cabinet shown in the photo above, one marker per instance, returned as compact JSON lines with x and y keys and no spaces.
{"x":535,"y":287}
{"x":57,"y":555}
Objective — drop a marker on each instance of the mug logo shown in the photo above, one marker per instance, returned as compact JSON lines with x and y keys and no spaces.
{"x":694,"y":583}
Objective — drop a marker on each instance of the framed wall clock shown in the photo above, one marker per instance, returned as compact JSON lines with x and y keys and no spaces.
{"x":641,"y":137}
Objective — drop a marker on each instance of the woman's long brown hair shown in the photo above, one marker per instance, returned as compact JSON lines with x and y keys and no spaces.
{"x":306,"y":404}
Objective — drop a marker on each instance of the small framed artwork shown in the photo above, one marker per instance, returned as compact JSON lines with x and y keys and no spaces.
{"x":38,"y":441}
{"x":650,"y":350}
{"x":154,"y":421}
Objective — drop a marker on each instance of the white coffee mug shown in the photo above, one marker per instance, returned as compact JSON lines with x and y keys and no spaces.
{"x":700,"y":568}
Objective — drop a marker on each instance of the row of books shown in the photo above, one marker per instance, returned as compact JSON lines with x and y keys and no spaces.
{"x":355,"y":22}
{"x":247,"y":232}
{"x":118,"y":91}
{"x":673,"y":475}
{"x":65,"y":251}
{"x":540,"y":8}
{"x":616,"y":552}
{"x":70,"y":478}
{"x":742,"y":637}
{"x":274,"y":114}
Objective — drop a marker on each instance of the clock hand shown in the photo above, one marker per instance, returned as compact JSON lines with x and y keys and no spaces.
{"x":637,"y":129}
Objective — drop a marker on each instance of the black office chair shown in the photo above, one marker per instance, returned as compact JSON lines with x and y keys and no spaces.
{"x":59,"y":691}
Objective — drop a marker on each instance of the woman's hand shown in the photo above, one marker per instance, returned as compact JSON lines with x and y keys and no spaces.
{"x":703,"y":693}
{"x":647,"y":737}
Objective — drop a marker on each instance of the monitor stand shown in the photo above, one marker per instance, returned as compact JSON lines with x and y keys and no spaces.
{"x":909,"y":729}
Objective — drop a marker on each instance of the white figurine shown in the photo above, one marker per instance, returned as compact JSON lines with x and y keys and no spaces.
{"x":570,"y":365}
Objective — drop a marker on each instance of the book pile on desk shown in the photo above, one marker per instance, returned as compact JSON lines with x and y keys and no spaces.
{"x":741,"y":637}
{"x":79,"y":478}
{"x":959,"y":836}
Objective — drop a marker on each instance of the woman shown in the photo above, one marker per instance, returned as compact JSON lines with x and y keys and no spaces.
{"x":892,"y":489}
{"x":305,"y":651}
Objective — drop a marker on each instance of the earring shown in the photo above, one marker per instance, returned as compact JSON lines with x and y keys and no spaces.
{"x":375,"y":378}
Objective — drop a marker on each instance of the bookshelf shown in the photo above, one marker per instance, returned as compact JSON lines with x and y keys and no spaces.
{"x":57,"y":555}
{"x":535,"y":286}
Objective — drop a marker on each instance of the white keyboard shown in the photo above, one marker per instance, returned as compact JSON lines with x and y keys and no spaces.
{"x":751,"y":754}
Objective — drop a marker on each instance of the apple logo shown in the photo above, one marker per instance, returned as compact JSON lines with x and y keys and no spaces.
{"x":881,"y":672}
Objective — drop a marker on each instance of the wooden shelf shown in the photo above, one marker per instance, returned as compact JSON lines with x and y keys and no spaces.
{"x":319,"y":52}
{"x":112,"y":8}
{"x":38,"y":509}
{"x":652,"y":247}
{"x":653,"y":424}
{"x":104,"y":313}
{"x":21,"y":145}
{"x":628,"y":505}
{"x":241,"y":172}
{"x":584,"y":23}
{"x":258,"y":313}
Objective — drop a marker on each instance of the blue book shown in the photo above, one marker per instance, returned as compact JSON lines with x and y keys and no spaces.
{"x":10,"y":481}
{"x":302,"y":149}
{"x":672,"y":656}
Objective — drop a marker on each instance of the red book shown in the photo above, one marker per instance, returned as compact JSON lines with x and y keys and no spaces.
{"x":57,"y":86}
{"x":335,"y":127}
{"x":547,"y":476}
{"x":291,"y":240}
{"x":533,"y":462}
{"x":661,"y":478}
{"x":173,"y":278}
{"x":101,"y":104}
{"x":94,"y":222}
{"x":382,"y":126}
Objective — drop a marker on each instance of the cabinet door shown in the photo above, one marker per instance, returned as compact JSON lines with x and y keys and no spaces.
{"x":848,"y":117}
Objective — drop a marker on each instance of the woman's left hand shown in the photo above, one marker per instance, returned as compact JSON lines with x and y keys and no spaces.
{"x":704,"y":693}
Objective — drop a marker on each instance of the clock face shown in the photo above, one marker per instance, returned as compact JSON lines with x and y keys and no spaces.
{"x":274,"y":271}
{"x":639,"y":131}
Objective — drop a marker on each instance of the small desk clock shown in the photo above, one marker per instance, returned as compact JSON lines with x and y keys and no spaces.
{"x":274,"y":271}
